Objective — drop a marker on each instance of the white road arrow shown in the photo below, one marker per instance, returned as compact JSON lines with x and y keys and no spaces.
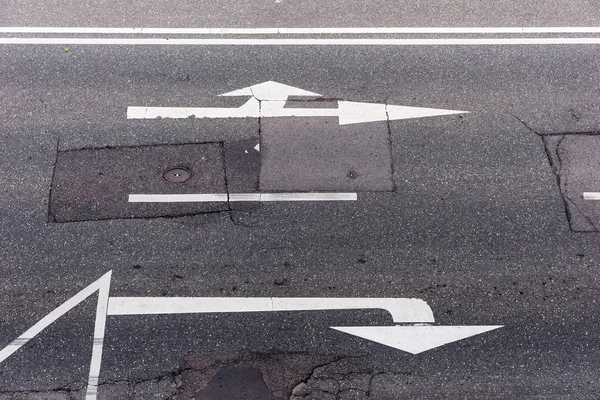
{"x":415,"y":338}
{"x":268,"y":100}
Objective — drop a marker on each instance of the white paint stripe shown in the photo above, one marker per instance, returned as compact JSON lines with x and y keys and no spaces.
{"x":238,"y":197}
{"x":302,"y":42}
{"x":415,"y":339}
{"x":308,"y":197}
{"x":177,"y":198}
{"x":29,"y":334}
{"x":401,"y":309}
{"x":250,"y":109}
{"x":99,"y":329}
{"x":591,"y":195}
{"x":244,"y":197}
{"x":300,"y":31}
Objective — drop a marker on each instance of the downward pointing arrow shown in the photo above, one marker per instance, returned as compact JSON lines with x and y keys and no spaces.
{"x":417,"y":338}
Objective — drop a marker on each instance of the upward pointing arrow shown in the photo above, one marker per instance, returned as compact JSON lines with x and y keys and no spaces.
{"x":268,"y":99}
{"x":271,"y":91}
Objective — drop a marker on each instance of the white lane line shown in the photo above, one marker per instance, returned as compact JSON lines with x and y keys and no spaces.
{"x":300,"y":31}
{"x":30,"y":333}
{"x":401,"y":309}
{"x":308,"y":196}
{"x":302,"y":42}
{"x":238,"y":197}
{"x":591,"y":195}
{"x":99,"y":329}
{"x":177,"y":198}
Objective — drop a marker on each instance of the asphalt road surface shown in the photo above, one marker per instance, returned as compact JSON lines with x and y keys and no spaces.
{"x":484,"y":216}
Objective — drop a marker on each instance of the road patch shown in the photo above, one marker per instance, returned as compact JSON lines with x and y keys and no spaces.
{"x":94,"y":184}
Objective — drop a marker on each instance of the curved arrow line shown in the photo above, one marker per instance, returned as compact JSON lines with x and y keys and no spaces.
{"x":402,"y":310}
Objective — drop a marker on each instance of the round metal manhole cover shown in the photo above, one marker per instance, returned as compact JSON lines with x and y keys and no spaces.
{"x":177,"y":175}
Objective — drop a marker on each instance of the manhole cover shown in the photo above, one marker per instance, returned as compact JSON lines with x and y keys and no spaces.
{"x":177,"y":175}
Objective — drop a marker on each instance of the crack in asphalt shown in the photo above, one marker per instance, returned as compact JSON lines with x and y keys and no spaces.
{"x":67,"y":388}
{"x":562,"y":179}
{"x":562,"y":182}
{"x":51,"y":217}
{"x":305,"y":383}
{"x":555,"y":162}
{"x":391,"y":146}
{"x":526,"y":125}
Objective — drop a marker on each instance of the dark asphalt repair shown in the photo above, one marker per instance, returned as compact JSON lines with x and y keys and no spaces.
{"x":237,"y":384}
{"x":300,"y":154}
{"x":247,"y":375}
{"x":94,"y":184}
{"x":575,"y":160}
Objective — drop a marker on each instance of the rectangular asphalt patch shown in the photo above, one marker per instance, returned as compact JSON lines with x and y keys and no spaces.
{"x":576,"y":161}
{"x":317,"y":154}
{"x":95,"y":184}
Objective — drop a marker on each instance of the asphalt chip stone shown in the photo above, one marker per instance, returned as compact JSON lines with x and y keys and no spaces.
{"x":95,"y":184}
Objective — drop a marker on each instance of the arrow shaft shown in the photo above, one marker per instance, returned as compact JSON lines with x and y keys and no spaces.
{"x":401,"y":309}
{"x":277,"y":109}
{"x":251,"y":109}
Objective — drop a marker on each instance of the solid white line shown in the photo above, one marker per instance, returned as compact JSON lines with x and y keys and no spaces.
{"x":301,"y":42}
{"x":299,"y":31}
{"x":53,"y":316}
{"x":238,"y":197}
{"x":591,"y":195}
{"x":401,"y":309}
{"x":99,"y":329}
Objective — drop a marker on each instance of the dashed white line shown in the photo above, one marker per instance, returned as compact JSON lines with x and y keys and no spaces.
{"x":239,"y":197}
{"x":308,"y":196}
{"x":591,"y":195}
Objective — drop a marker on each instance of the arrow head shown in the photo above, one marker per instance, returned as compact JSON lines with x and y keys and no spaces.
{"x":352,"y":112}
{"x":404,"y":112}
{"x":417,"y":338}
{"x":271,"y":91}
